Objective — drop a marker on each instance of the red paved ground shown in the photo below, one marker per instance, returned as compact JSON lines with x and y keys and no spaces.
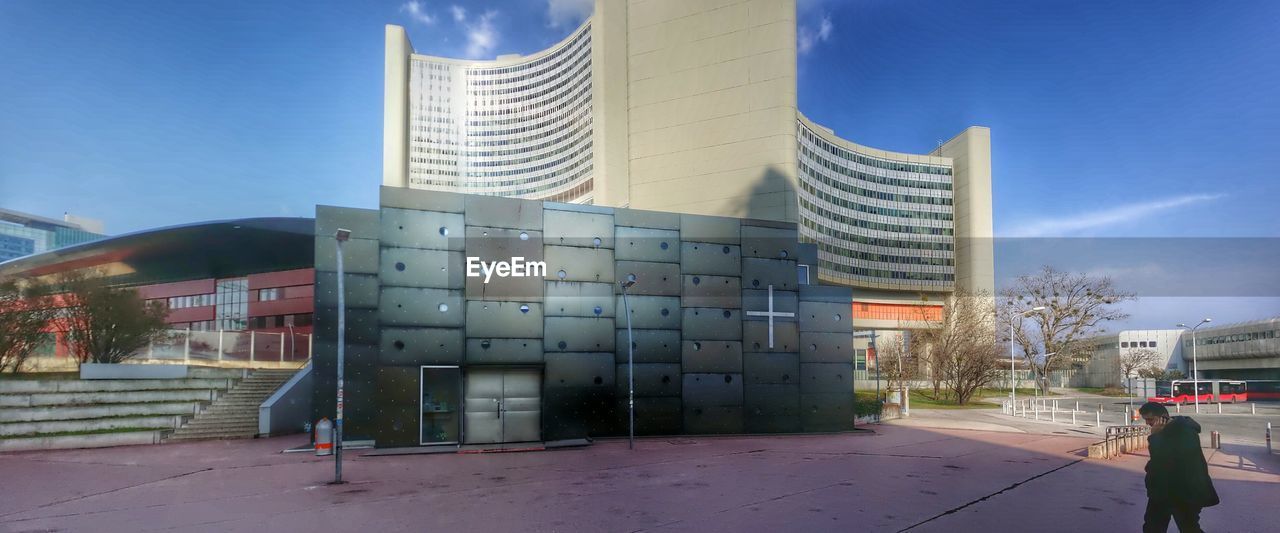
{"x":899,"y":478}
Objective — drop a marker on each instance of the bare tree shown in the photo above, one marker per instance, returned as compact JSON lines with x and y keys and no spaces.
{"x":1133,"y":360}
{"x":23,"y":321}
{"x":962,"y":345}
{"x":1160,"y":374}
{"x":1075,"y":307}
{"x":898,"y":366}
{"x":106,"y":324}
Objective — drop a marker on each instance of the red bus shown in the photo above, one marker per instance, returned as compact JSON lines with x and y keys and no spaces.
{"x":1263,"y":390}
{"x":1179,"y":391}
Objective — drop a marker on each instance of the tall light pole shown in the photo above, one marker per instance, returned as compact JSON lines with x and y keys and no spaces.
{"x":340,"y":237}
{"x":631,"y":375}
{"x":1013,"y":384}
{"x":1195,"y":371}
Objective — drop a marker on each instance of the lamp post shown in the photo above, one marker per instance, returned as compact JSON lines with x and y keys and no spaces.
{"x":631,"y":375}
{"x":1013,"y":384}
{"x":341,"y":236}
{"x":1195,"y":372}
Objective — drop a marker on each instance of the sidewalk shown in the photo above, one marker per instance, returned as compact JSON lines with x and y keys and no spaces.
{"x":901,"y":477}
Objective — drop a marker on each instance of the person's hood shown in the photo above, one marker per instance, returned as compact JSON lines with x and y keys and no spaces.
{"x":1183,"y":423}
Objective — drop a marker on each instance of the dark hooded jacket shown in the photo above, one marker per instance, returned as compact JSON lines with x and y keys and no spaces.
{"x":1177,"y":472}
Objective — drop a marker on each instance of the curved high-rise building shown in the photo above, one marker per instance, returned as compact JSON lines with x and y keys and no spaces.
{"x":691,"y":107}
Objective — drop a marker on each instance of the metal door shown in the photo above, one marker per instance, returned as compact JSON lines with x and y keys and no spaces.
{"x":503,"y":405}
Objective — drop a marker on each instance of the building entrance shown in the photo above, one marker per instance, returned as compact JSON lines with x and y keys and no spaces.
{"x":503,"y":405}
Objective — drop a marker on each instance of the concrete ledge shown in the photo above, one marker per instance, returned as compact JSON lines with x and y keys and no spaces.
{"x":100,"y":424}
{"x":14,"y":386}
{"x":128,"y":371}
{"x":90,"y":398}
{"x":99,"y":440}
{"x":40,"y":414}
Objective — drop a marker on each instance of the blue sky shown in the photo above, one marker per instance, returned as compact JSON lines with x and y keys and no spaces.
{"x":1109,"y":119}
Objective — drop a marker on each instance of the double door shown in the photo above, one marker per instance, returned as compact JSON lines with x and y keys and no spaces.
{"x":503,"y":405}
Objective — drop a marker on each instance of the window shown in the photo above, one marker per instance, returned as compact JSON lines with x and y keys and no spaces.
{"x":1142,"y":344}
{"x":268,"y":295}
{"x":802,"y":271}
{"x":1124,"y":345}
{"x":1152,"y":344}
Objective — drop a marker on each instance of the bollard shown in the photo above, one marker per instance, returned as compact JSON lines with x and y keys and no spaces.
{"x":1053,"y":415}
{"x":1219,"y":407}
{"x":1037,"y":412}
{"x":1073,"y":418}
{"x":1268,"y":437}
{"x":1215,"y":440}
{"x":1178,"y":406}
{"x":1077,"y":405}
{"x":1253,"y":408}
{"x":1098,"y":423}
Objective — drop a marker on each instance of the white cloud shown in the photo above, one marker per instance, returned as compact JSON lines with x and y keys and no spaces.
{"x":807,"y":37}
{"x":1066,"y":226}
{"x":459,"y":13}
{"x":482,"y":37}
{"x":418,"y":12}
{"x":568,"y":13}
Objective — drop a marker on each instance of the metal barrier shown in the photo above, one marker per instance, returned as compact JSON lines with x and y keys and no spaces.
{"x":1120,"y":440}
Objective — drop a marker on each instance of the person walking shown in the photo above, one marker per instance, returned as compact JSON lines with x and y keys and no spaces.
{"x":1178,"y":483}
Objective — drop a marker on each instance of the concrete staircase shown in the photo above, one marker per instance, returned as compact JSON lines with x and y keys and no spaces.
{"x":73,"y":413}
{"x":234,"y":415}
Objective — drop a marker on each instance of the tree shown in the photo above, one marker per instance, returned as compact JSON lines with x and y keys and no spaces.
{"x":962,"y":345}
{"x":1133,"y":360}
{"x":1160,"y":374}
{"x":1075,"y":307}
{"x":106,"y":324}
{"x":898,"y":365}
{"x":23,"y":319}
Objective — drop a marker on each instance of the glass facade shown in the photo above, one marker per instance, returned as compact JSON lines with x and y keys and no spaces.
{"x":20,"y":236}
{"x":232,"y":302}
{"x":878,"y":221}
{"x":519,"y":129}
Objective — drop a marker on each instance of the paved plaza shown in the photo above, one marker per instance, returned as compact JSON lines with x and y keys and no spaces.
{"x":896,"y":477}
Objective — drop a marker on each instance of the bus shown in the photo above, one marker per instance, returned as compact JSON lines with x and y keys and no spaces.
{"x":1180,"y":391}
{"x":1263,"y":390}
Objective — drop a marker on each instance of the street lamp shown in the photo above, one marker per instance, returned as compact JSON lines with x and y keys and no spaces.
{"x":1195,"y":372}
{"x":340,"y":236}
{"x":1013,"y":384}
{"x":631,"y":375}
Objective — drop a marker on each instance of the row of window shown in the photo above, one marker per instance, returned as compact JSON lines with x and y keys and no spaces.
{"x":872,"y":209}
{"x":819,"y":231}
{"x":567,"y":162}
{"x":1236,"y":337}
{"x":1138,"y":344}
{"x":485,"y":75}
{"x":813,"y":174}
{"x":840,"y":168}
{"x":886,"y":274}
{"x":559,"y":96}
{"x":841,"y":251}
{"x":584,"y":137}
{"x":827,"y":215}
{"x":534,"y":81}
{"x":581,"y":77}
{"x":873,"y":162}
{"x":526,"y":192}
{"x":195,"y":300}
{"x":577,"y":99}
{"x":583,"y":113}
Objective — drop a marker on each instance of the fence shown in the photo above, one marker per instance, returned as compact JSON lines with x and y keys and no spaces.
{"x":230,"y":348}
{"x":1120,"y":440}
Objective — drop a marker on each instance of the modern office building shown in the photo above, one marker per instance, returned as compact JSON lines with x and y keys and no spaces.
{"x":22,"y":234}
{"x":1246,"y":350}
{"x":691,"y":107}
{"x":232,"y":276}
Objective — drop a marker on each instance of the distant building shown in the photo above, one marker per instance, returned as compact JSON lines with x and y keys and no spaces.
{"x":1246,"y":350}
{"x":22,"y":234}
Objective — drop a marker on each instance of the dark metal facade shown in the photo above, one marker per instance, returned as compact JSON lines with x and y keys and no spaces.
{"x":701,"y":364}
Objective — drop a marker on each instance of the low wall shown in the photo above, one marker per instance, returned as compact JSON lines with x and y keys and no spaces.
{"x":286,"y":411}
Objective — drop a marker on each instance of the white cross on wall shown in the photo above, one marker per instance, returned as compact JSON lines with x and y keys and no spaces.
{"x":770,"y":313}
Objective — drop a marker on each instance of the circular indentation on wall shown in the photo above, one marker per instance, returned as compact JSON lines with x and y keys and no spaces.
{"x":755,"y":283}
{"x":485,"y":344}
{"x":725,"y":249}
{"x":562,"y":345}
{"x":444,"y":308}
{"x":728,"y":378}
{"x":562,"y":274}
{"x":442,"y":269}
{"x":400,"y":266}
{"x":398,"y":344}
{"x":524,"y":308}
{"x":484,"y":234}
{"x":665,"y":311}
{"x":726,"y":282}
{"x":782,"y":253}
{"x":755,"y":346}
{"x":524,"y":236}
{"x":813,"y":347}
{"x":666,"y":379}
{"x":486,"y":307}
{"x":697,"y":346}
{"x":695,"y":247}
{"x":727,"y":314}
{"x":596,"y":241}
{"x":444,"y":231}
{"x":697,"y":411}
{"x":837,"y":317}
{"x":697,"y":280}
{"x":598,"y":380}
{"x":598,"y":310}
{"x":664,"y":245}
{"x":695,"y":313}
{"x":634,"y":345}
{"x":399,"y":306}
{"x":631,"y":277}
{"x":786,"y":377}
{"x":401,"y":227}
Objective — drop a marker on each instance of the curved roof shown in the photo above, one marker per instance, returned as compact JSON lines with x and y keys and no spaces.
{"x":216,"y":249}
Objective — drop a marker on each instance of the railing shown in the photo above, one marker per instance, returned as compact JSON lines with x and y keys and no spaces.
{"x":230,"y":348}
{"x":1120,"y":440}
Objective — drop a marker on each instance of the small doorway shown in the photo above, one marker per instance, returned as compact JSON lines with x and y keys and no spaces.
{"x":439,"y":394}
{"x":503,"y":405}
